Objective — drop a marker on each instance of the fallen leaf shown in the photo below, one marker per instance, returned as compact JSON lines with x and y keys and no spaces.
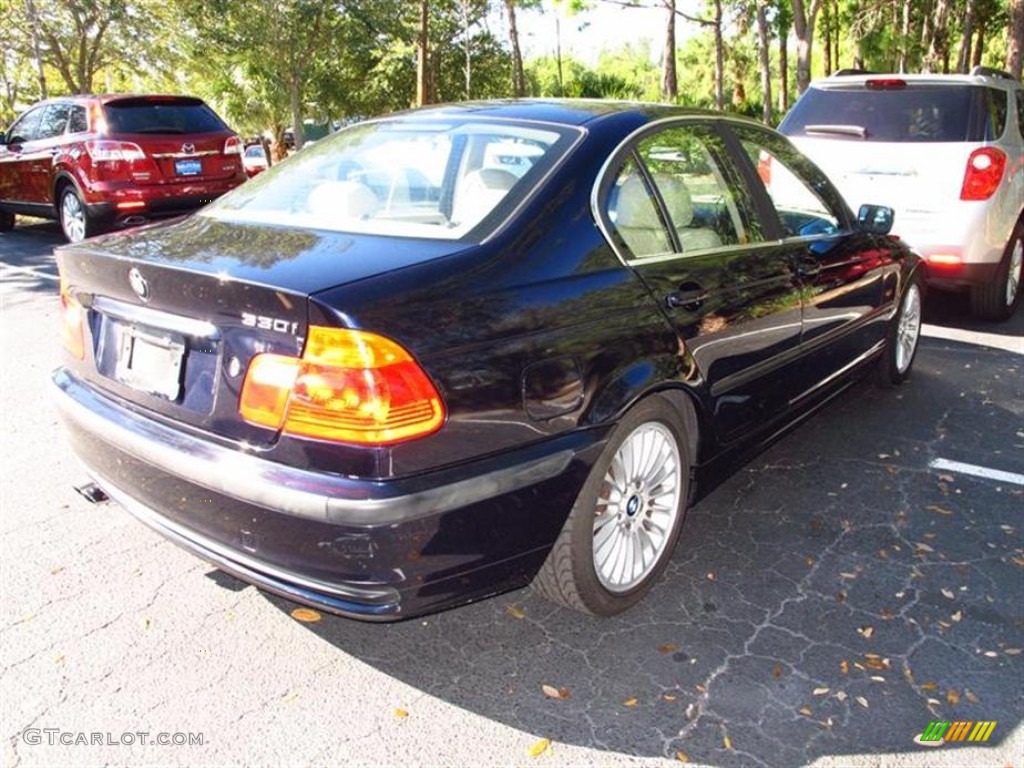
{"x":682,"y":757}
{"x":59,"y":660}
{"x":848,"y":575}
{"x":866,"y":632}
{"x":553,"y":693}
{"x":777,"y":672}
{"x":668,"y":648}
{"x":539,"y":748}
{"x":873,"y":662}
{"x":841,"y":695}
{"x":887,"y":613}
{"x":691,"y":711}
{"x":945,"y":478}
{"x":938,"y":510}
{"x":921,"y":547}
{"x":878,"y":678}
{"x":711,"y":577}
{"x":862,"y":701}
{"x":971,"y":697}
{"x":929,"y":686}
{"x":948,"y":594}
{"x":700,"y":688}
{"x":991,"y":654}
{"x":957,"y":616}
{"x":727,"y":741}
{"x":844,"y":665}
{"x":1012,"y":651}
{"x":306,"y":615}
{"x":147,"y":623}
{"x":631,"y":702}
{"x":884,"y":554}
{"x":809,"y":561}
{"x":55,"y":571}
{"x":401,"y":713}
{"x":840,"y":597}
{"x":883,"y":456}
{"x":515,"y":612}
{"x":806,"y":711}
{"x":289,"y":697}
{"x":1017,"y":561}
{"x":821,"y":691}
{"x":669,"y":697}
{"x":953,"y":696}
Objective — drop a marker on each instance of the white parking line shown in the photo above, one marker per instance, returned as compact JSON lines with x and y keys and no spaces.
{"x":994,"y":340}
{"x":28,"y":271}
{"x":973,"y":469}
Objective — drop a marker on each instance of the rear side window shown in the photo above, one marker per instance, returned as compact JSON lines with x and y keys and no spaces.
{"x":997,"y":111}
{"x":161,"y":116}
{"x":915,"y":113}
{"x":77,"y":122}
{"x":1020,"y":112}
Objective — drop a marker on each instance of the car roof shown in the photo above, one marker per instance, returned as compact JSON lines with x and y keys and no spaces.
{"x":847,"y":80}
{"x":572,"y":112}
{"x":106,"y":98}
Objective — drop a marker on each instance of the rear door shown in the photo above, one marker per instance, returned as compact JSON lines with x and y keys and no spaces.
{"x":688,"y":226}
{"x":183,"y":137}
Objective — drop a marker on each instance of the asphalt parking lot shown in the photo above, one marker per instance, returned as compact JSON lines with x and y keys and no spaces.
{"x":847,"y":587}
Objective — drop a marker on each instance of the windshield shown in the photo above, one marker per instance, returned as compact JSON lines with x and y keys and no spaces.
{"x":913,"y":113}
{"x":406,"y":178}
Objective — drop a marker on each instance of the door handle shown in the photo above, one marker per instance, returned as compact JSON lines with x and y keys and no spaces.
{"x":690,"y":300}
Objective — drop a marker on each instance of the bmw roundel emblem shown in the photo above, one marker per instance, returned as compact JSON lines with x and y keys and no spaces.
{"x":139,"y":284}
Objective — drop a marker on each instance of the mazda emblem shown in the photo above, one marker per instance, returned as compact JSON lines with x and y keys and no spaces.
{"x":138,"y":284}
{"x":188,"y":149}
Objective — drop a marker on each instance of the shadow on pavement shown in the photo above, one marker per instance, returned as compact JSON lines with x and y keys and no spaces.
{"x":831,"y":598}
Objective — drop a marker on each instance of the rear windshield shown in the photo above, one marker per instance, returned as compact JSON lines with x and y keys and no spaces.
{"x":161,"y":116}
{"x":413,"y":178}
{"x":915,"y":113}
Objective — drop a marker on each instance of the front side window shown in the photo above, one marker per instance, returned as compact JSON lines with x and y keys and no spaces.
{"x":804,"y":200}
{"x":407,"y":178}
{"x":26,"y":128}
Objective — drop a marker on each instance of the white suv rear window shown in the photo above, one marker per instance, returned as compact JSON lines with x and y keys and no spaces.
{"x":911,"y":113}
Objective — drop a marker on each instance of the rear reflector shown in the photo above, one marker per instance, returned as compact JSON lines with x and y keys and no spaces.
{"x":983,"y":174}
{"x":944,"y":259}
{"x":348,"y":386}
{"x":72,"y":323}
{"x":130,"y":205}
{"x":887,"y":83}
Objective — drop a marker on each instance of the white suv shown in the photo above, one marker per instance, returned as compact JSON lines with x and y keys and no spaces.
{"x":946,"y":152}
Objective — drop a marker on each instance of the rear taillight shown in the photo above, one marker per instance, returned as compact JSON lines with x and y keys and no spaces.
{"x":348,"y":386}
{"x":885,"y":84}
{"x":114,"y":151}
{"x":233,"y":146}
{"x":72,"y":323}
{"x":764,"y":168}
{"x":984,"y":173}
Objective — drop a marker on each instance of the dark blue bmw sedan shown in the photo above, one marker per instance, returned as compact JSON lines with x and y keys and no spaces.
{"x":464,"y":349}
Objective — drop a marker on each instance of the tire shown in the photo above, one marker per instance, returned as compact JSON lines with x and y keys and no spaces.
{"x":902,"y":339}
{"x":588,"y":568}
{"x":998,"y":300}
{"x":74,"y":219}
{"x":6,"y":221}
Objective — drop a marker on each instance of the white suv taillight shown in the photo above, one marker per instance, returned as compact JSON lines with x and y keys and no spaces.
{"x":114,"y":151}
{"x":984,"y":173}
{"x":233,"y":146}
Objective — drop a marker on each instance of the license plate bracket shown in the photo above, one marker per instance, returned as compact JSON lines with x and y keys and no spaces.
{"x":151,"y":361}
{"x":188,"y":167}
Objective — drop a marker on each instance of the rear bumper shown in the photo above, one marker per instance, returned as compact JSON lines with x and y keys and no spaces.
{"x":952,"y":277}
{"x":371,"y":549}
{"x":117,"y":204}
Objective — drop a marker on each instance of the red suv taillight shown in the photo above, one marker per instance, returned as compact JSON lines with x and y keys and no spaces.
{"x":114,"y":151}
{"x":349,"y":386}
{"x":233,"y":146}
{"x":984,"y":173}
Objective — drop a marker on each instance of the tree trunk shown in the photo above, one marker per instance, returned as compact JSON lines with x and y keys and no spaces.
{"x":979,"y":45}
{"x":669,"y":81}
{"x":422,"y":74}
{"x":766,"y":64}
{"x":963,"y":59}
{"x":469,"y":53}
{"x":783,"y":70}
{"x":296,"y":104}
{"x":719,"y":58}
{"x":558,"y":54}
{"x":938,"y":48}
{"x":1015,"y":39}
{"x":826,"y":21}
{"x":518,"y":77}
{"x":904,"y":60}
{"x":34,"y":24}
{"x":803,"y":26}
{"x":837,"y":27}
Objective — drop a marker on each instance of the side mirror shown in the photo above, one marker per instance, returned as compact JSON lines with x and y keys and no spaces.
{"x":876,"y":219}
{"x":3,"y":139}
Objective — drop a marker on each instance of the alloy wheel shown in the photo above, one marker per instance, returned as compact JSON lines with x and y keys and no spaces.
{"x":909,"y":329}
{"x":1013,"y":274}
{"x":637,"y":507}
{"x":72,"y":217}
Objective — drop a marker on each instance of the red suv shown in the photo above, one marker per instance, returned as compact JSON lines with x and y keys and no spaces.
{"x":100,"y":162}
